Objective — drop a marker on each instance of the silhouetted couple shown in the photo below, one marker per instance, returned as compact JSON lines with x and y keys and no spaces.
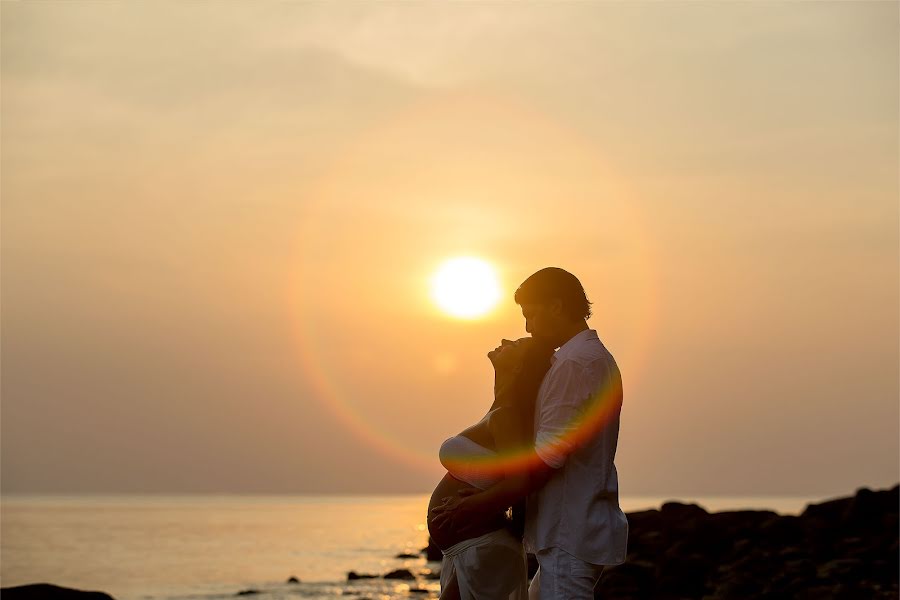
{"x":539,"y":466}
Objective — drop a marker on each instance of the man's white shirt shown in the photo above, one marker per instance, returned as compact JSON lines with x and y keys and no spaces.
{"x":576,"y":424}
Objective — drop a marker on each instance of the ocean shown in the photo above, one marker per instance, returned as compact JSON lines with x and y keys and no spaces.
{"x":205,"y":547}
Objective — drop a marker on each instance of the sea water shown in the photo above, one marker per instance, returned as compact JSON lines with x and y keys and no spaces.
{"x":203,"y":547}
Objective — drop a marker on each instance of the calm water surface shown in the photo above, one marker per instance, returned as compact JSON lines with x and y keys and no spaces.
{"x":214,"y":546}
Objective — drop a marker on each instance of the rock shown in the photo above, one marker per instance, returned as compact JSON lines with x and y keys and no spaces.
{"x":792,"y":552}
{"x":865,"y":511}
{"x":417,"y":590}
{"x":841,"y":569}
{"x":831,"y":511}
{"x":781,"y":531}
{"x":635,"y":579}
{"x":831,"y":592}
{"x":407,"y":555}
{"x":678,"y":512}
{"x":742,"y":547}
{"x":293,"y":579}
{"x":690,"y":524}
{"x":646,"y":544}
{"x":683,"y":575}
{"x":646,"y":520}
{"x":353,"y":575}
{"x":404,"y":574}
{"x":841,"y":549}
{"x":47,"y":591}
{"x":247,"y":592}
{"x":736,"y":585}
{"x":740,"y":523}
{"x":795,"y":576}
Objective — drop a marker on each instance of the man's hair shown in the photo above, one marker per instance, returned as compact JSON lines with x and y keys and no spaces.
{"x":551,"y":283}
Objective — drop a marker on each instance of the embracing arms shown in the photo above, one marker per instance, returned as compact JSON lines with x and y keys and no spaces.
{"x":527,"y":463}
{"x":523,"y":469}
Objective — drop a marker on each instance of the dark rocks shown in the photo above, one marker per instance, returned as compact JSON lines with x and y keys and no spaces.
{"x":47,"y":591}
{"x":684,"y":575}
{"x":248,"y":593}
{"x":407,"y":555}
{"x":841,"y":568}
{"x":831,"y":510}
{"x":403,"y":574}
{"x":293,"y":579}
{"x":632,"y":579}
{"x":675,"y":511}
{"x":781,"y":531}
{"x":845,"y":548}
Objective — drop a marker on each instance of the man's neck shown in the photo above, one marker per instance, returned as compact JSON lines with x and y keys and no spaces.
{"x":569,"y":332}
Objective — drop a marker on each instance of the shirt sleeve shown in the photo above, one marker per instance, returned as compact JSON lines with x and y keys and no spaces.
{"x":562,"y":409}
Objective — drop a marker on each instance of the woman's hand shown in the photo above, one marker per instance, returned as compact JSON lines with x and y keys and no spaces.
{"x":458,"y":512}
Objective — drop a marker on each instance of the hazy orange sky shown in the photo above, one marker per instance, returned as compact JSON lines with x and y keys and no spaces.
{"x":219,"y":221}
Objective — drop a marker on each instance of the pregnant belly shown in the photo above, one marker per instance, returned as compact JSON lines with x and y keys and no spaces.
{"x":445,"y":536}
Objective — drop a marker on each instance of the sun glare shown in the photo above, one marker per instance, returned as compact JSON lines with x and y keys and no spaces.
{"x":465,"y":287}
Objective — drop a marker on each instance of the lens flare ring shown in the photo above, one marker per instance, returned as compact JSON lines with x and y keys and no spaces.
{"x":327,"y":380}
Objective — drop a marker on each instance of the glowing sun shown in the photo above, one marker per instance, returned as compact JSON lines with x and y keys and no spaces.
{"x":465,"y":287}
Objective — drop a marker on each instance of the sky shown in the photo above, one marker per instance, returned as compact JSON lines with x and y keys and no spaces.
{"x":220,"y":221}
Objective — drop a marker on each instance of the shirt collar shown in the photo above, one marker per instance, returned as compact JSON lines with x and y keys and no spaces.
{"x":574,"y":342}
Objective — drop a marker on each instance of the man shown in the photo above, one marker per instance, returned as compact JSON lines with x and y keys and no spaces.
{"x":573,"y":521}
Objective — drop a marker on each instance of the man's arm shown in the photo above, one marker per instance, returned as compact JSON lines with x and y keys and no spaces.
{"x":468,"y":508}
{"x":523,"y":469}
{"x":512,"y":489}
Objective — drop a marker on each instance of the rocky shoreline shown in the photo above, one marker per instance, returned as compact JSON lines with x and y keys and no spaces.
{"x":841,"y":549}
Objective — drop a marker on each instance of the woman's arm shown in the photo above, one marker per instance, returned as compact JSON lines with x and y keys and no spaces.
{"x":464,"y":509}
{"x":486,"y":431}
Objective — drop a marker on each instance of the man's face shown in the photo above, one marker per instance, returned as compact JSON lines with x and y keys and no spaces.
{"x":539,"y":321}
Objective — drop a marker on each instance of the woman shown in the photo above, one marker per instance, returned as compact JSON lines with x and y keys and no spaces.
{"x":485,"y":560}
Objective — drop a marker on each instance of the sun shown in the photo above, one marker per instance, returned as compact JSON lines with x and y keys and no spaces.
{"x":465,"y":287}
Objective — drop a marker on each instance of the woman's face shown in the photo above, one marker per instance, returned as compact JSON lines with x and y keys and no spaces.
{"x":509,"y":354}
